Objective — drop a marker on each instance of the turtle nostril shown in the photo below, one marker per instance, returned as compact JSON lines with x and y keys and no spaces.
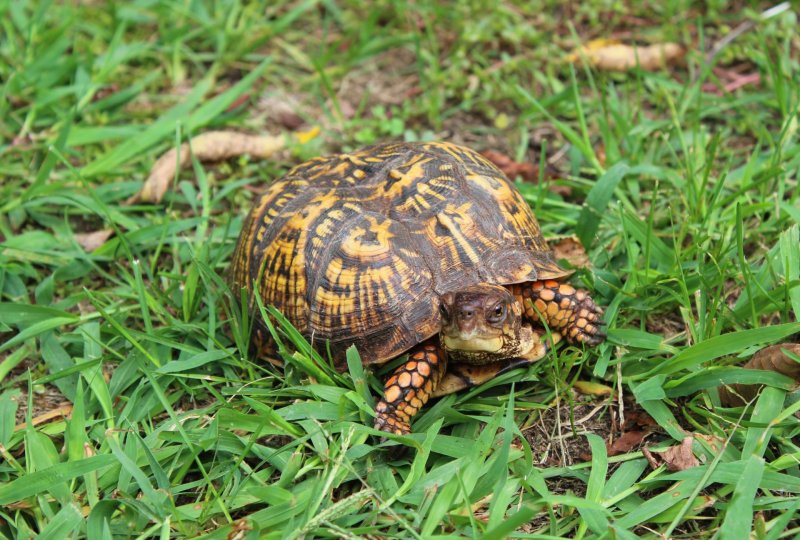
{"x":467,"y":313}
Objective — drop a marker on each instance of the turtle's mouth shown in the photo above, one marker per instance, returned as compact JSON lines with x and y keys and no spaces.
{"x":483,"y":350}
{"x":475,"y":344}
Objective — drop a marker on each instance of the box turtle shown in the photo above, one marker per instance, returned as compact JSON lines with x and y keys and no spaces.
{"x":419,"y":248}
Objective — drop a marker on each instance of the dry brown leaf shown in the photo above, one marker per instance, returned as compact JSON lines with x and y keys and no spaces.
{"x":610,"y":56}
{"x":88,"y":450}
{"x":211,"y":146}
{"x":636,"y":417}
{"x":771,"y":359}
{"x":103,"y":93}
{"x":676,"y":458}
{"x":511,"y":168}
{"x":570,"y":249}
{"x":282,"y":108}
{"x":240,"y":529}
{"x":92,"y":240}
{"x":600,"y":154}
{"x":59,"y":412}
{"x":19,"y":505}
{"x":626,"y":442}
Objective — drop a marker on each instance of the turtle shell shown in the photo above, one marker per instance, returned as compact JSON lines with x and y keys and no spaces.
{"x":355,"y":249}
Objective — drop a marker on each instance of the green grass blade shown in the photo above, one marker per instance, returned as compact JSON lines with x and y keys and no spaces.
{"x":768,"y":406}
{"x":63,"y":523}
{"x":39,"y":481}
{"x":790,"y":257}
{"x":596,"y":521}
{"x":99,"y":520}
{"x":738,"y":521}
{"x":505,"y":529}
{"x":594,"y":209}
{"x":151,"y":136}
{"x":719,"y":346}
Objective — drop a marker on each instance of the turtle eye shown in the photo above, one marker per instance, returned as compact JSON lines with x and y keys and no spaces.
{"x":498,"y":313}
{"x":443,"y":311}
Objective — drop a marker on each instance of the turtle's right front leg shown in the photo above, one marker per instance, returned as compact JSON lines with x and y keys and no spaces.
{"x":409,"y":387}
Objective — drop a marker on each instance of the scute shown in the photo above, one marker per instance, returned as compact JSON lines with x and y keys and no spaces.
{"x":372,"y":288}
{"x":356,"y":248}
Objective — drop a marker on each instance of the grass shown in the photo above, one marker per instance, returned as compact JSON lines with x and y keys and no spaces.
{"x":129,"y":405}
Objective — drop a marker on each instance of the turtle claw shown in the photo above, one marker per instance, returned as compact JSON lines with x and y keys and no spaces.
{"x":585,"y":325}
{"x":592,"y":339}
{"x":390,"y":423}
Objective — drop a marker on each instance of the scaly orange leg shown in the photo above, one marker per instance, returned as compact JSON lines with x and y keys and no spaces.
{"x":567,"y":310}
{"x":409,"y":387}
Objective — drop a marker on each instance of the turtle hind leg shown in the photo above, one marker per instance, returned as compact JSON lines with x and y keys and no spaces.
{"x":409,"y":387}
{"x":567,"y":310}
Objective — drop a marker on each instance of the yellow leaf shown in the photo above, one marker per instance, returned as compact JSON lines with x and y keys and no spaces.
{"x":305,"y":136}
{"x":592,"y":388}
{"x":502,"y":121}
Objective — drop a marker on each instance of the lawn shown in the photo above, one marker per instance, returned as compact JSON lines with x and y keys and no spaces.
{"x":130,"y":405}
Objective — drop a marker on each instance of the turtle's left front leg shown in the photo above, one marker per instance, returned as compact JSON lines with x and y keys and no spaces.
{"x":567,"y":310}
{"x":410,"y":387}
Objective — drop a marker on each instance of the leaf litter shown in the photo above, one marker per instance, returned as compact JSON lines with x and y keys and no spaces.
{"x":676,"y":458}
{"x":610,"y":55}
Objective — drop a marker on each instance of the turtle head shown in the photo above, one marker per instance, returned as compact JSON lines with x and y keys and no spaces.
{"x":482,"y":324}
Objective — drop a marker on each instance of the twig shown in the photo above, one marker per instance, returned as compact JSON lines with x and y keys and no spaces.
{"x":745,"y":27}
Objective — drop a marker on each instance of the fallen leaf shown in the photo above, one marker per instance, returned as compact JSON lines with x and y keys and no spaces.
{"x":639,"y":418}
{"x":589,"y":388}
{"x":611,"y":56}
{"x":771,"y":358}
{"x":676,"y":458}
{"x":210,"y":146}
{"x":238,"y":102}
{"x":20,"y":505}
{"x":414,"y":91}
{"x":282,"y":108}
{"x":59,"y":412}
{"x":92,"y":240}
{"x":626,"y":442}
{"x":289,"y":120}
{"x":511,"y":168}
{"x":240,"y":529}
{"x":570,"y":249}
{"x":103,"y":93}
{"x":308,"y":135}
{"x":20,"y":140}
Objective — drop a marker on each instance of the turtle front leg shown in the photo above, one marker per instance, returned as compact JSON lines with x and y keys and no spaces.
{"x":409,"y":387}
{"x":567,"y":310}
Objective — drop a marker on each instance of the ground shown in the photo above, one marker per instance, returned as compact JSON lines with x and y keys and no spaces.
{"x":130,"y":402}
